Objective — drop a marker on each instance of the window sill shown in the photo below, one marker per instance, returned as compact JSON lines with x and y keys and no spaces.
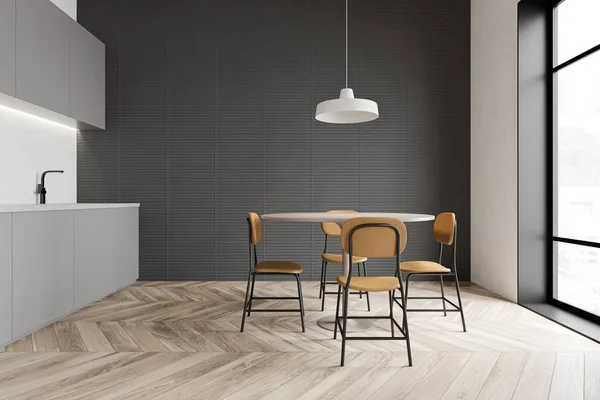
{"x":567,"y":319}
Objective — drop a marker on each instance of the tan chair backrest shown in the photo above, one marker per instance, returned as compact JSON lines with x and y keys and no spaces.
{"x":443,"y":228}
{"x":255,"y":228}
{"x":375,"y":242}
{"x":332,"y":228}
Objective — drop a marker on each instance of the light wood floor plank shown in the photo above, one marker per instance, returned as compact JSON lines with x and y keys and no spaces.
{"x":124,"y":295}
{"x":171,"y":381}
{"x":272,"y":381}
{"x":181,"y":362}
{"x":143,"y":337}
{"x":505,"y":376}
{"x":343,"y":377}
{"x":472,"y":377}
{"x":220,"y":375}
{"x":224,"y":388}
{"x":168,"y":337}
{"x":25,"y":344}
{"x":44,"y":340}
{"x":93,"y":338}
{"x":141,"y":294}
{"x":24,"y":362}
{"x":189,"y":332}
{"x":437,"y":381}
{"x":118,"y":337}
{"x":592,"y":376}
{"x":536,"y":377}
{"x":567,"y":380}
{"x":24,"y":386}
{"x":309,"y":378}
{"x":371,"y":381}
{"x":112,"y":374}
{"x":267,"y":336}
{"x":404,"y":381}
{"x":69,"y":339}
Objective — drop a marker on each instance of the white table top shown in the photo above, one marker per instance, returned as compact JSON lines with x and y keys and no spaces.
{"x":341,"y":217}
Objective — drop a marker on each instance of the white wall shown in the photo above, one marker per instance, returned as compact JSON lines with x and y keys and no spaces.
{"x":29,"y":145}
{"x":494,"y":145}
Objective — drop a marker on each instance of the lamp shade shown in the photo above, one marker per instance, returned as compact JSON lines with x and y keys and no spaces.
{"x":347,"y":109}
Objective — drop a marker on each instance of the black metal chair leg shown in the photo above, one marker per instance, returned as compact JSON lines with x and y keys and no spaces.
{"x":245,"y":304}
{"x":404,"y":294}
{"x":300,"y":301}
{"x":344,"y":325}
{"x":368,"y":300}
{"x":337,"y":311}
{"x":251,"y":295}
{"x":324,"y":285}
{"x":321,"y":288}
{"x":442,"y":288}
{"x":391,"y":312}
{"x":462,"y":315}
{"x":360,"y":293}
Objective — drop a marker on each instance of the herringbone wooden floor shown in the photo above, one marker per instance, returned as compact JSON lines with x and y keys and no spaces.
{"x":181,"y":340}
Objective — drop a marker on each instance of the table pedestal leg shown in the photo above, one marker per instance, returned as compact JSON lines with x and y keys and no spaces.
{"x":352,"y":325}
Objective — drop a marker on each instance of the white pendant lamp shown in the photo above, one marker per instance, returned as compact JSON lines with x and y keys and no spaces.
{"x":347,"y":109}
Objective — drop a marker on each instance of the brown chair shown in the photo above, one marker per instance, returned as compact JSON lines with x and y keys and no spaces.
{"x":444,"y":232}
{"x":375,"y":238}
{"x":268,"y":268}
{"x":333,"y":229}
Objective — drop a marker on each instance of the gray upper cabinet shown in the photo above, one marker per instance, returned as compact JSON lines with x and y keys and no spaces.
{"x":87,"y":77}
{"x":7,"y":47}
{"x":43,"y":37}
{"x":50,"y":66}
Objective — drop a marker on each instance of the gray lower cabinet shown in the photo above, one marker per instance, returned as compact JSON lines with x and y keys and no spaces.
{"x":54,"y":262}
{"x":106,"y":252}
{"x":42,"y":268}
{"x":94,"y":255}
{"x":127,"y":243}
{"x":43,"y":38}
{"x":7,"y":47}
{"x":5,"y":278}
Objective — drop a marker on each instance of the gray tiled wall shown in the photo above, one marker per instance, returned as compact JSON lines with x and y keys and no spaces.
{"x":210,"y":114}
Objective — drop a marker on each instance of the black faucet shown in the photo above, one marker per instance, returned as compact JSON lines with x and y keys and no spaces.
{"x":41,"y":188}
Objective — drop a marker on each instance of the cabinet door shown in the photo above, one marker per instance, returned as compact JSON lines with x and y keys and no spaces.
{"x":5,"y":278}
{"x":126,"y":238}
{"x":94,"y":272}
{"x":7,"y":47}
{"x":87,"y":76}
{"x":42,"y":268}
{"x":43,"y":32}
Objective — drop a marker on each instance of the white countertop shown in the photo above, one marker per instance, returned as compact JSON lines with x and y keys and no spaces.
{"x":11,"y":208}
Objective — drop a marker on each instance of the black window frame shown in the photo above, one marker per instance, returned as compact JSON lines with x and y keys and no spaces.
{"x":552,"y":168}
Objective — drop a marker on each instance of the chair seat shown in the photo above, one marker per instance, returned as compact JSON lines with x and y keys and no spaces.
{"x":424,"y":267}
{"x":371,"y":283}
{"x":278,"y":267}
{"x":337,"y":258}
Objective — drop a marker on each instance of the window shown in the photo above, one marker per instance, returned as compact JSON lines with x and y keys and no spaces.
{"x":576,"y":154}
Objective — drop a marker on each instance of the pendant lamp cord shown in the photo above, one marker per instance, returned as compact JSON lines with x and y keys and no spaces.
{"x":346,"y":44}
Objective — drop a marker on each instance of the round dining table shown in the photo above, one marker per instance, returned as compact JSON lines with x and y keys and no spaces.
{"x":328,"y":322}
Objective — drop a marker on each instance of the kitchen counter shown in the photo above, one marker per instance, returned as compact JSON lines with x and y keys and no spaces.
{"x":59,"y":260}
{"x":13,"y":208}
